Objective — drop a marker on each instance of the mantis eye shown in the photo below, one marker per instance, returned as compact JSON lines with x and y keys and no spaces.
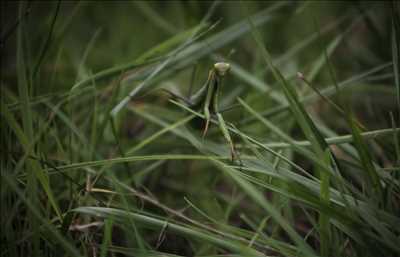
{"x":222,"y":68}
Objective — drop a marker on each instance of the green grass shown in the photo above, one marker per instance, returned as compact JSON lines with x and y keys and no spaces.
{"x":97,"y":161}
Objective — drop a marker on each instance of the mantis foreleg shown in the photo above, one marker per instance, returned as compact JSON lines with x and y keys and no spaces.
{"x":221,"y":122}
{"x":209,"y":97}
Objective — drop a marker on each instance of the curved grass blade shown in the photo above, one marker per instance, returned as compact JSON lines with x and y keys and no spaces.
{"x":319,"y":145}
{"x":258,"y":197}
{"x":156,"y":224}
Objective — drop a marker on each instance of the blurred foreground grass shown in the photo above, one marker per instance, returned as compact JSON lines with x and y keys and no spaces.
{"x":97,"y":161}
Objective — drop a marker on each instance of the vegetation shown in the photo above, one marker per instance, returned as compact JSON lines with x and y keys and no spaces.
{"x":96,"y":160}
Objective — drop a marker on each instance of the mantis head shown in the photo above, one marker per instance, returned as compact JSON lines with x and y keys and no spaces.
{"x":222,"y":68}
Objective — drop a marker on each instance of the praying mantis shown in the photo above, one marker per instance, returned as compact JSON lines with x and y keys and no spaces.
{"x":207,"y":99}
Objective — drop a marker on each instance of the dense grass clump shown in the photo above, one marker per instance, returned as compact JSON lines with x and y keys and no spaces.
{"x":97,"y":160}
